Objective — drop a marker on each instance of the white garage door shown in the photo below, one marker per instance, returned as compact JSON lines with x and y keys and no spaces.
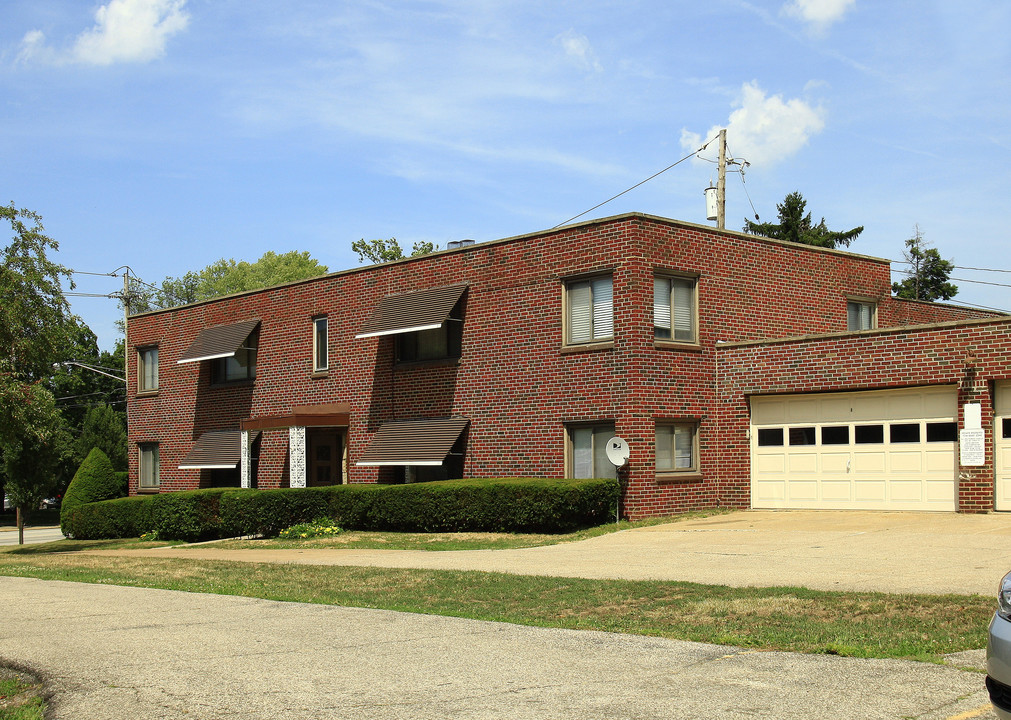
{"x":880,"y":450}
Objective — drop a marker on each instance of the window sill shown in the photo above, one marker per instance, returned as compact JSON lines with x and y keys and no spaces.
{"x":588,"y":347}
{"x":434,"y":362}
{"x":319,"y":374}
{"x":676,"y":345}
{"x":673,"y":477}
{"x":147,"y":393}
{"x":148,"y":491}
{"x":232,"y":384}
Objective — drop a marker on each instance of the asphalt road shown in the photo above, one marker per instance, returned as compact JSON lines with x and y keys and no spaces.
{"x":117,"y":653}
{"x":9,"y":536}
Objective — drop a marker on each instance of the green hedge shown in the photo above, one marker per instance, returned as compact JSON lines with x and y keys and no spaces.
{"x":474,"y":505}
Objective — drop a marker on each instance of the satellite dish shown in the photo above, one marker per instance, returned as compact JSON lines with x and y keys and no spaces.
{"x":617,"y":451}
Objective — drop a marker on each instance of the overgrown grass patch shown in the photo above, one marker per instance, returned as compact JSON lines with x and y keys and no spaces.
{"x":20,"y":696}
{"x":922,"y":627}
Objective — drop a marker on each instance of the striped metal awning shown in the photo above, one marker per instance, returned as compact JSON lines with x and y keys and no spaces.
{"x":411,"y":312}
{"x":219,"y":342}
{"x":413,"y":442}
{"x":219,"y":449}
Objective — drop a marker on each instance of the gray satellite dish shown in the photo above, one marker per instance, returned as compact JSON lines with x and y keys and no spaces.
{"x":617,"y":451}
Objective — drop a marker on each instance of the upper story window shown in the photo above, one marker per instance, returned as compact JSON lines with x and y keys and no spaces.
{"x":320,"y":345}
{"x":428,"y":324}
{"x":861,"y":315}
{"x":240,"y":366}
{"x":149,"y":472}
{"x":674,"y":309}
{"x":147,"y":369}
{"x":433,"y":344}
{"x":677,"y":447}
{"x":589,"y":310}
{"x":587,"y":451}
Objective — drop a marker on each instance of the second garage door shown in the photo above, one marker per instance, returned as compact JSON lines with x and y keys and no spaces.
{"x":879,"y":450}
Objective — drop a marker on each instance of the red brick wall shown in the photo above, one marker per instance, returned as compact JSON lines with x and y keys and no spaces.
{"x":971,"y":356}
{"x":897,"y":311}
{"x":514,"y":382}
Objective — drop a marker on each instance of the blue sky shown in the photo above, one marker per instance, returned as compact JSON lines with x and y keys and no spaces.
{"x":165,"y":134}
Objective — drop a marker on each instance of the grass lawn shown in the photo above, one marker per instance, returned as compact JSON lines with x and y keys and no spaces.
{"x":20,"y":696}
{"x":921,"y":627}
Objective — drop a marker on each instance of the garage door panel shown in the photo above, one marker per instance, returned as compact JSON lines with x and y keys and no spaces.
{"x":802,"y":411}
{"x":800,"y":464}
{"x":833,"y":470}
{"x":906,"y":462}
{"x":838,"y":491}
{"x":770,"y":464}
{"x":940,"y":461}
{"x":803,"y":490}
{"x":906,"y":490}
{"x":869,"y":463}
{"x":770,"y":491}
{"x":833,"y":463}
{"x":768,"y":412}
{"x":869,"y":489}
{"x":939,"y":492}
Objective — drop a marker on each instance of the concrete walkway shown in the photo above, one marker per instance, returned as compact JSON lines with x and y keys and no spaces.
{"x":934,"y":553}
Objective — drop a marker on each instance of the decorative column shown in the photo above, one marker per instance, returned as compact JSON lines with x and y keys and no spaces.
{"x":245,"y":467}
{"x":296,"y":456}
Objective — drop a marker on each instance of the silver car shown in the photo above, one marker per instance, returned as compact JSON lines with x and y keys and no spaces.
{"x":998,"y":653}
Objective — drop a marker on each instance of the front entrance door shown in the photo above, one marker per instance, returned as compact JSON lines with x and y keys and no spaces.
{"x":326,"y":456}
{"x":1002,"y":447}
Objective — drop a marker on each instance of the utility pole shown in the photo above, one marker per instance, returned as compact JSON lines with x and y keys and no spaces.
{"x":721,"y":184}
{"x":126,"y":335}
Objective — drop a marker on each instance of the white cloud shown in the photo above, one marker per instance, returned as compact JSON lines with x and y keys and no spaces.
{"x":818,"y":14}
{"x":578,"y":48}
{"x":763,"y":130}
{"x":124,"y":31}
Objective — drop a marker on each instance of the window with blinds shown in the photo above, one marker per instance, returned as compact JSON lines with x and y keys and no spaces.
{"x":147,"y":369}
{"x":588,"y":451}
{"x":859,"y":315}
{"x":674,"y":309}
{"x":590,"y":311}
{"x":676,"y":447}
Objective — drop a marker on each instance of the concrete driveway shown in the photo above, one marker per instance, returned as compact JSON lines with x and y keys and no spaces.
{"x":118,"y":653}
{"x":884,"y":551}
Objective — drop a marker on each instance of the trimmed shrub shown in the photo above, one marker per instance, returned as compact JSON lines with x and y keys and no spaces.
{"x":475,"y":505}
{"x":120,"y":518}
{"x":95,"y":480}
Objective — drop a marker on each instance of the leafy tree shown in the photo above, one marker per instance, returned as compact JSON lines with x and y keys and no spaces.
{"x":928,"y":279}
{"x":35,"y":325}
{"x":382,"y":251}
{"x":103,"y":428}
{"x":30,"y":458}
{"x":797,"y":227}
{"x":224,"y":277}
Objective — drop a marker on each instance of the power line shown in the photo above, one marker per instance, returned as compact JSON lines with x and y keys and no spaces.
{"x":696,"y":152}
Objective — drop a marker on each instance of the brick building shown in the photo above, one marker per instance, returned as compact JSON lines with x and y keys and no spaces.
{"x":741,"y":371}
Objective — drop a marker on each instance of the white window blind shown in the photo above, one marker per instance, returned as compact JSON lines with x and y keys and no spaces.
{"x":675,"y":447}
{"x":859,"y":316}
{"x":674,"y":308}
{"x":590,"y":310}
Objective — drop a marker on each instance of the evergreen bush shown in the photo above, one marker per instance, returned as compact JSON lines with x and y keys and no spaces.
{"x":95,"y":480}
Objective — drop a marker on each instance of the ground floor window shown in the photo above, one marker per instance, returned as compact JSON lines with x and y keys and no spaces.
{"x":677,"y":447}
{"x":587,"y":446}
{"x":149,"y":475}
